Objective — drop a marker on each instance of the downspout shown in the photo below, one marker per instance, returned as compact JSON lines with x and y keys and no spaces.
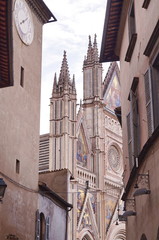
{"x":67,"y":210}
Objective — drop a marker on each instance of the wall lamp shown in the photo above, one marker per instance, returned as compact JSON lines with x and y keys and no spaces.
{"x":3,"y":186}
{"x":128,"y":214}
{"x":141,"y":191}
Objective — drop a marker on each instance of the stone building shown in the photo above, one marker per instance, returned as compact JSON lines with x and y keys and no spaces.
{"x":21,"y":25}
{"x":88,"y":147}
{"x":131,"y":35}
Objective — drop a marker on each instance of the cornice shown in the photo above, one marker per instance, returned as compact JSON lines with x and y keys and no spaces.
{"x":42,"y":11}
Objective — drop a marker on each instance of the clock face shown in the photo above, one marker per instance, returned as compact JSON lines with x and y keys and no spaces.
{"x":114,"y":158}
{"x":23,"y":21}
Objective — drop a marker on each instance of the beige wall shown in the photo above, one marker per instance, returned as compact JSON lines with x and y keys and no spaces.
{"x":146,"y":221}
{"x":19,"y":130}
{"x":137,"y":67}
{"x":57,"y":218}
{"x":58,"y":181}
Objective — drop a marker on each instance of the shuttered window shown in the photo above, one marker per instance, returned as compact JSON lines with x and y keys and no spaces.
{"x":152,"y":95}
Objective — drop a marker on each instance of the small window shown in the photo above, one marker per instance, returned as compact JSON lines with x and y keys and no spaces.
{"x":42,"y":226}
{"x":157,"y":234}
{"x":17,"y":166}
{"x":143,"y":237}
{"x":22,"y":77}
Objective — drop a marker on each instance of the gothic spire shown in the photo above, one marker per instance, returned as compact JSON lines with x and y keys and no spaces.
{"x":92,"y":52}
{"x":89,"y":51}
{"x":64,"y":77}
{"x":95,"y":49}
{"x":73,"y":81}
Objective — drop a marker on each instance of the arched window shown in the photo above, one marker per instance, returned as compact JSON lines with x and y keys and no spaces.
{"x":42,"y":226}
{"x":143,"y":237}
{"x":157,"y":234}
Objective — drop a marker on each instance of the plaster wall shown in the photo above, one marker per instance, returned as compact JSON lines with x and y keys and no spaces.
{"x":146,"y":219}
{"x":137,"y":67}
{"x":19,"y":131}
{"x":57,"y":217}
{"x":57,"y":181}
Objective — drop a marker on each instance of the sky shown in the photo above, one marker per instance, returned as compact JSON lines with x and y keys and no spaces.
{"x":76,"y":20}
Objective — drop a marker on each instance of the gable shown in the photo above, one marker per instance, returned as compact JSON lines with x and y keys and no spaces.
{"x":87,"y":219}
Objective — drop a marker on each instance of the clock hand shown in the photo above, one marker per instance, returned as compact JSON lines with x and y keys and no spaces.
{"x":23,"y":21}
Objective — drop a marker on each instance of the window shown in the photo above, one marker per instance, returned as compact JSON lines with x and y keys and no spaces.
{"x":22,"y":77}
{"x":17,"y":166}
{"x":143,"y":237}
{"x":157,"y":234}
{"x":152,"y":96}
{"x":42,"y":227}
{"x":133,"y":126}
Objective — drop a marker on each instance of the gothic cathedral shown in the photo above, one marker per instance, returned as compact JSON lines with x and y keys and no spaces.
{"x":89,"y":145}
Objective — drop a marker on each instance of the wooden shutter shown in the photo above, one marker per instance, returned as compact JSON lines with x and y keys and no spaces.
{"x":149,"y":108}
{"x":37,"y":230}
{"x":135,"y":125}
{"x":47,"y":228}
{"x":131,"y":21}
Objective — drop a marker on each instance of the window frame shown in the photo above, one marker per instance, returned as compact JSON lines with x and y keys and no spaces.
{"x":152,"y":93}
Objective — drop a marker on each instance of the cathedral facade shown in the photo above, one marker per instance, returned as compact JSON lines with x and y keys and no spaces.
{"x":88,"y":144}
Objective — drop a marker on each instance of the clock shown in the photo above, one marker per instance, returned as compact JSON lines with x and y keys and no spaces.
{"x":114,"y":158}
{"x":23,"y":21}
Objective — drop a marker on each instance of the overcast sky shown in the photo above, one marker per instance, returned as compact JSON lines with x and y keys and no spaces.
{"x":76,"y":20}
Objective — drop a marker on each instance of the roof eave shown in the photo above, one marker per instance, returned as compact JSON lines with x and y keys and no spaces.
{"x":108,"y":51}
{"x":43,"y":12}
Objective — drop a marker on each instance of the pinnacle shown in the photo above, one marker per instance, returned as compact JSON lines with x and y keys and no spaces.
{"x":64,"y":73}
{"x":92,"y":52}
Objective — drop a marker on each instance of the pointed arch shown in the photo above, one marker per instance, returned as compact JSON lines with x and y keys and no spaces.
{"x":157,"y":234}
{"x":82,"y":148}
{"x":42,"y":226}
{"x":87,"y":236}
{"x":143,"y":237}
